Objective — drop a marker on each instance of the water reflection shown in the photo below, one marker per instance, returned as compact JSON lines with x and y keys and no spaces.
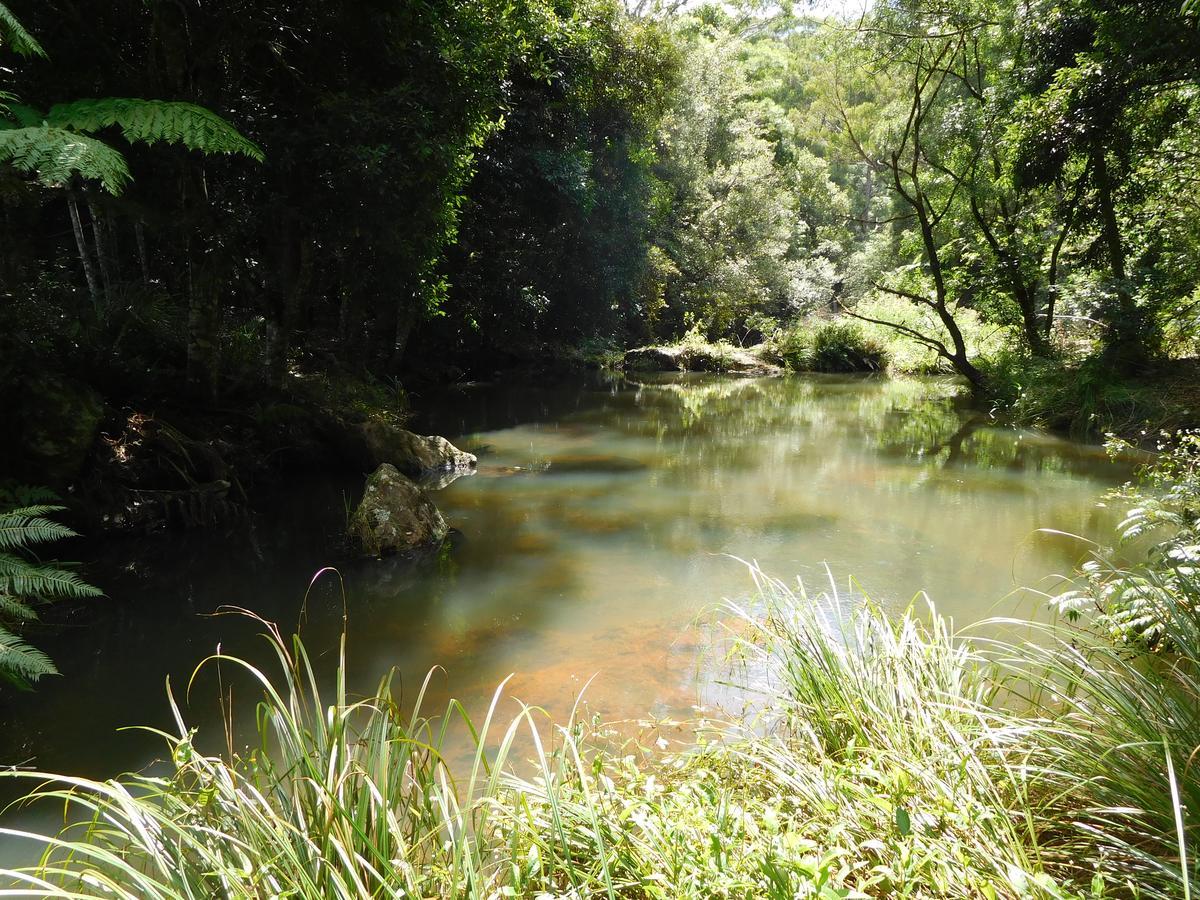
{"x":599,"y":526}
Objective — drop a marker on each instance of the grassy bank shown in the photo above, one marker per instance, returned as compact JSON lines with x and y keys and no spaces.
{"x":892,"y":761}
{"x":889,"y":756}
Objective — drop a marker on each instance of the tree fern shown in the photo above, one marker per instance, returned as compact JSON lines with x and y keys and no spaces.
{"x":154,"y":121}
{"x":21,"y":663}
{"x":55,"y":147}
{"x":28,"y":525}
{"x":13,"y":34}
{"x":55,"y":154}
{"x":25,"y":583}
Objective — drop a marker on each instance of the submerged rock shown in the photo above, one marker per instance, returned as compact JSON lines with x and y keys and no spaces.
{"x":414,"y":455}
{"x":394,"y":515}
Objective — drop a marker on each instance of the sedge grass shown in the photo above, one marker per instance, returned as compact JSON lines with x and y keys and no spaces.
{"x":890,"y":757}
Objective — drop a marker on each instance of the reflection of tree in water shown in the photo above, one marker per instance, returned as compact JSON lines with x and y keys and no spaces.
{"x":884,"y":412}
{"x":924,"y":419}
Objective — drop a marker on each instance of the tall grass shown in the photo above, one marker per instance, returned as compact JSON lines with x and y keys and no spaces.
{"x":889,"y":756}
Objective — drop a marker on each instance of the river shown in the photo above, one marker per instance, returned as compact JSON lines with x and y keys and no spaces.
{"x":606,"y":517}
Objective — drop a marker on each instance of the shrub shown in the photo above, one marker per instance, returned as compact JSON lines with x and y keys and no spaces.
{"x":1085,"y":397}
{"x":1137,"y":599}
{"x":842,"y":347}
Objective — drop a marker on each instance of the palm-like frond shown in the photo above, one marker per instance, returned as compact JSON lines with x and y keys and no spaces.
{"x":28,"y":525}
{"x":21,"y":663}
{"x":13,"y":608}
{"x":25,"y":583}
{"x":152,"y":121}
{"x":44,"y":582}
{"x":13,"y":34}
{"x":55,"y":154}
{"x":23,"y":115}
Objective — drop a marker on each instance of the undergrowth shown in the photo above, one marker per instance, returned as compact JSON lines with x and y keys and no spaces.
{"x":890,"y":757}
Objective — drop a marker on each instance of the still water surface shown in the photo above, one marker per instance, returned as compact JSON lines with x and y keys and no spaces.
{"x":601,"y":523}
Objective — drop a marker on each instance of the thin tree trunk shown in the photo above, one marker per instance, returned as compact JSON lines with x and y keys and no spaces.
{"x":139,"y":232}
{"x":1130,"y":335}
{"x":99,"y":230}
{"x":406,"y":317}
{"x":280,"y":329}
{"x":85,"y":256}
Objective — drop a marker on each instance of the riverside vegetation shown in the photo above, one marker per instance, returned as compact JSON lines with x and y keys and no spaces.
{"x":887,"y":757}
{"x":234,"y":237}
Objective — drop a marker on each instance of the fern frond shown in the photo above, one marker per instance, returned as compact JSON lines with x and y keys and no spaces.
{"x":20,"y":662}
{"x":13,"y":34}
{"x":152,"y":121}
{"x":24,"y":116}
{"x":46,"y":583}
{"x":14,"y":495}
{"x":27,"y":525}
{"x":14,"y":608}
{"x":55,"y":154}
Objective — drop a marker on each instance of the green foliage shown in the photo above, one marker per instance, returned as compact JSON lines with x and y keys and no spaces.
{"x":154,"y":121}
{"x":26,"y":584}
{"x":1088,"y":396}
{"x":1141,"y":597}
{"x":14,"y":35}
{"x":893,"y":757}
{"x":55,"y":155}
{"x":842,"y":347}
{"x":831,"y":346}
{"x":60,"y":149}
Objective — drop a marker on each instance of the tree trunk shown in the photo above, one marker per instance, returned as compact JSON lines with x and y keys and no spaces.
{"x":85,"y":256}
{"x":139,"y":232}
{"x":296,"y":277}
{"x":100,"y":233}
{"x":1108,"y":220}
{"x":406,"y":317}
{"x":1131,"y":335}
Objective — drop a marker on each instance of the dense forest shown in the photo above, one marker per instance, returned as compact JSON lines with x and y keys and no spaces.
{"x":237,"y":238}
{"x":398,"y":193}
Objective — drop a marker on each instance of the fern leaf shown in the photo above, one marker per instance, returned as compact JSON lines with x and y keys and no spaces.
{"x":14,"y":35}
{"x":12,"y":496}
{"x":152,"y":121}
{"x":14,"y":608}
{"x":20,"y":662}
{"x":46,"y":582}
{"x":55,"y":154}
{"x":25,"y":116}
{"x":21,"y":527}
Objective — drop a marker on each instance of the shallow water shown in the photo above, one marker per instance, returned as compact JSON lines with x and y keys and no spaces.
{"x":605,"y":518}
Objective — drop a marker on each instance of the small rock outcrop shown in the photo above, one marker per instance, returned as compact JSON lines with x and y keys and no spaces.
{"x":700,"y":358}
{"x":414,"y":455}
{"x":394,"y":515}
{"x":655,"y":359}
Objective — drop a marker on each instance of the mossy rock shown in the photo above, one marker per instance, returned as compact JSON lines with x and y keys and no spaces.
{"x":395,"y":515}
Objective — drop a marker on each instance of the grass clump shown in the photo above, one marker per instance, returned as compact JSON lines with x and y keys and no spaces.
{"x":1088,"y":396}
{"x":836,"y":346}
{"x":889,"y":757}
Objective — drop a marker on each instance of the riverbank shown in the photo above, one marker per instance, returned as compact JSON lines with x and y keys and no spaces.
{"x":883,"y":753}
{"x":889,"y":759}
{"x":1073,"y":392}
